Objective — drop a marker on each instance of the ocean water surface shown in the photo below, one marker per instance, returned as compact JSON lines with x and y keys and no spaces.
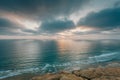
{"x":43,"y":56}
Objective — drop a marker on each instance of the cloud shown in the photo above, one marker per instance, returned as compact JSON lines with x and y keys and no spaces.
{"x":49,"y":17}
{"x":5,"y":26}
{"x":105,"y":19}
{"x":8,"y":27}
{"x":42,"y":8}
{"x":5,"y":23}
{"x":117,"y":4}
{"x":55,"y":26}
{"x":23,"y":16}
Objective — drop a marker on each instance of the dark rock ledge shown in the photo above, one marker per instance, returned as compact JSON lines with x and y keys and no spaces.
{"x":87,"y":74}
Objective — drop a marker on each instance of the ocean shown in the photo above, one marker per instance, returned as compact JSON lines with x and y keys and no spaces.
{"x":42,"y":56}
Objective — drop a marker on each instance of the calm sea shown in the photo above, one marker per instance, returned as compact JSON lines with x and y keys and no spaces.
{"x":42,"y":56}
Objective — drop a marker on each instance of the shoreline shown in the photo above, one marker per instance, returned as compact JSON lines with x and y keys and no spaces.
{"x":100,"y":73}
{"x":108,"y":72}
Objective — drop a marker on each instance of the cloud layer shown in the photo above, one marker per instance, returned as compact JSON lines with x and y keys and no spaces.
{"x":104,"y":19}
{"x":22,"y":14}
{"x":6,"y":26}
{"x":42,"y":8}
{"x":52,"y":17}
{"x":55,"y":26}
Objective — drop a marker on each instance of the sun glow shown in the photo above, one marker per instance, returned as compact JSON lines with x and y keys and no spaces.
{"x":82,"y":29}
{"x":26,"y":23}
{"x":72,"y":46}
{"x":71,"y":32}
{"x":29,"y":24}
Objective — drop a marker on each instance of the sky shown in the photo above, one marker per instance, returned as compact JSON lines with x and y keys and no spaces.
{"x":73,"y":19}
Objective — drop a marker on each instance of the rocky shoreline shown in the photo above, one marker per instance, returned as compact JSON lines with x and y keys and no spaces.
{"x":109,"y":72}
{"x":87,"y":74}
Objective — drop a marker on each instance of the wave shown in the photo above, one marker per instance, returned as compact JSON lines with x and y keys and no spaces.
{"x":10,"y":73}
{"x":104,"y":57}
{"x":64,"y":66}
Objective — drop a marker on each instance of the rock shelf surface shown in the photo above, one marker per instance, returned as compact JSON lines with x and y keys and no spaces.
{"x":86,"y":74}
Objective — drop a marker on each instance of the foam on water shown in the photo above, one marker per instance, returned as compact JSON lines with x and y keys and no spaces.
{"x":104,"y":57}
{"x":64,"y":66}
{"x":10,"y":73}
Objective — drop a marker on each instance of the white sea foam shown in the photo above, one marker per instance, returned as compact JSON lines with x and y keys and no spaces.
{"x":10,"y":73}
{"x":104,"y":57}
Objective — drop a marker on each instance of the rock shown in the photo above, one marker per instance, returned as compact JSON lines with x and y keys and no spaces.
{"x":70,"y":77}
{"x":64,"y":72}
{"x":88,"y":74}
{"x":58,"y":76}
{"x":112,"y":72}
{"x":47,"y":77}
{"x":107,"y":78}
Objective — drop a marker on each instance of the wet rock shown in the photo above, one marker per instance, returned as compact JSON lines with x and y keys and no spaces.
{"x":113,"y":65}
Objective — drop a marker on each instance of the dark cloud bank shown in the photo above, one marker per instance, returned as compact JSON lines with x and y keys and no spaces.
{"x":4,"y":22}
{"x":104,"y":19}
{"x":7,"y":26}
{"x":54,"y":26}
{"x":42,"y":7}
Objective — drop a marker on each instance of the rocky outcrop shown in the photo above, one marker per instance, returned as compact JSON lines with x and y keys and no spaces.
{"x":58,"y":76}
{"x":87,"y":74}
